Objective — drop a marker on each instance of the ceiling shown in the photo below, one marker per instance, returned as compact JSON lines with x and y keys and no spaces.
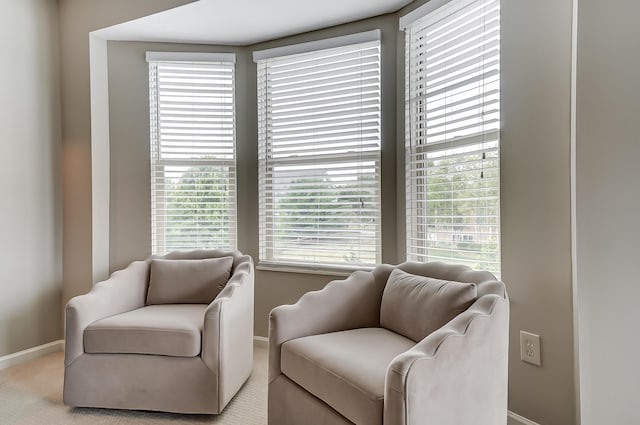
{"x":245,"y":22}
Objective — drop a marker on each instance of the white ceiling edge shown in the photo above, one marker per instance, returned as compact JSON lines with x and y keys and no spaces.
{"x":245,"y":22}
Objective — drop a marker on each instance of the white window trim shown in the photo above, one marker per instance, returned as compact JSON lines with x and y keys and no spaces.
{"x":195,"y":57}
{"x":311,"y":46}
{"x":420,"y":12}
{"x":407,"y":23}
{"x":275,"y":53}
{"x":190,"y":57}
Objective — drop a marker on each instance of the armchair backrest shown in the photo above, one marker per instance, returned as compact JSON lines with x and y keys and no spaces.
{"x":416,"y":306}
{"x":180,"y":277}
{"x":200,"y":254}
{"x":485,"y":281}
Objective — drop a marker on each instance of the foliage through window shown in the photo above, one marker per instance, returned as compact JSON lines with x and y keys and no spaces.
{"x":193,"y":197}
{"x":319,"y":156}
{"x":453,"y":133}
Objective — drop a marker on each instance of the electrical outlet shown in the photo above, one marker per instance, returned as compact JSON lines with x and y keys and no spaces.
{"x":530,"y":348}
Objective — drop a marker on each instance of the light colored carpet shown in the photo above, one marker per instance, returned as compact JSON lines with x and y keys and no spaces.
{"x":31,"y":394}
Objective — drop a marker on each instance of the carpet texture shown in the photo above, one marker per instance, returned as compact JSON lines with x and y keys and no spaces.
{"x":31,"y":394}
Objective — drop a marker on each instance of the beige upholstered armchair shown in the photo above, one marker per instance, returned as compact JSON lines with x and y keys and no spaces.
{"x":172,"y":333}
{"x":413,"y":344}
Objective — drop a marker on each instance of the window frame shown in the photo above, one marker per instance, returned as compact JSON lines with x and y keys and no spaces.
{"x":422,"y":21}
{"x":158,"y":197}
{"x":268,"y":261}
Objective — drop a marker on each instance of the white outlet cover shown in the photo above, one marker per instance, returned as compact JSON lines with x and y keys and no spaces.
{"x":530,"y":348}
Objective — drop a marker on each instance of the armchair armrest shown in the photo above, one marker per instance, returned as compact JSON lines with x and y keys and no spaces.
{"x":227,"y":335}
{"x":125,"y":290}
{"x":341,"y":305}
{"x":470,"y":352}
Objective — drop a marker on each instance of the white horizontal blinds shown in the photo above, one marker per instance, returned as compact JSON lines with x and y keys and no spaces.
{"x":193,"y":171}
{"x":319,"y":157}
{"x":453,"y":133}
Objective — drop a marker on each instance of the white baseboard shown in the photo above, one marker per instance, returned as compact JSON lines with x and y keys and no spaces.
{"x":261,"y":341}
{"x":31,"y":354}
{"x":515,"y":419}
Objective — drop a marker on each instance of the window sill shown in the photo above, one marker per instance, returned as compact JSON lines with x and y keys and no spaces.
{"x":326,"y":271}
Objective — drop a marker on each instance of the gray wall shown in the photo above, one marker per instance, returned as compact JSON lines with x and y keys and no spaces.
{"x":275,"y":288}
{"x":31,"y":212}
{"x":129,"y":128}
{"x":77,"y":19}
{"x":535,"y":183}
{"x":535,"y":203}
{"x":535,"y":178}
{"x":608,"y":207}
{"x":130,"y":215}
{"x":536,"y":238}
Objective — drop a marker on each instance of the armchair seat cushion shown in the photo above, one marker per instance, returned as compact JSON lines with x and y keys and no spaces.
{"x":345,"y":369}
{"x":166,"y":330}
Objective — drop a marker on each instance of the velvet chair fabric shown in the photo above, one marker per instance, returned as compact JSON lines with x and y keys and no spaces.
{"x":332,"y":362}
{"x":186,"y":358}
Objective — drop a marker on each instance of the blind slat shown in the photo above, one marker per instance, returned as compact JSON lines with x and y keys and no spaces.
{"x":319,"y":155}
{"x":193,"y":196}
{"x":452,"y":135}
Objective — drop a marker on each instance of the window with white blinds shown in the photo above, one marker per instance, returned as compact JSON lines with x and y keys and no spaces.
{"x":193,"y":170}
{"x":319,"y":156}
{"x":453,"y":133}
